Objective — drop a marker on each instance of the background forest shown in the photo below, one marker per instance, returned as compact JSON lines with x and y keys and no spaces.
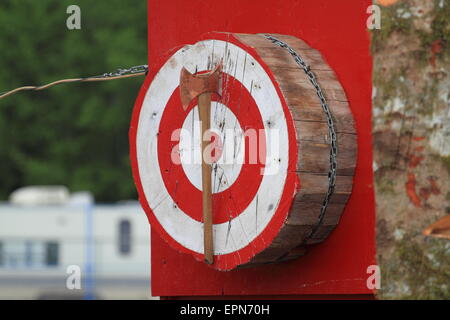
{"x":73,"y":134}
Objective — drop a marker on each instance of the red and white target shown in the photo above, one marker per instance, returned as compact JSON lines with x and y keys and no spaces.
{"x":255,"y":151}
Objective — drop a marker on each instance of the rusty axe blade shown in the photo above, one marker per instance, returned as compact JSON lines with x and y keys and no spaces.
{"x":193,"y":85}
{"x":202,"y":86}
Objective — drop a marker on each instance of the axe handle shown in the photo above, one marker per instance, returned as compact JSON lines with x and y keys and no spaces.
{"x":204,"y":107}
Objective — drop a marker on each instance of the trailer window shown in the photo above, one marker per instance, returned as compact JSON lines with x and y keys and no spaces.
{"x":51,"y":253}
{"x":124,"y":237}
{"x":2,"y":258}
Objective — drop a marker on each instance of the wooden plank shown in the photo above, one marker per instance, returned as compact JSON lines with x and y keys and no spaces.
{"x":313,"y":188}
{"x":327,"y":79}
{"x":294,"y":79}
{"x":305,"y":105}
{"x":307,"y":87}
{"x":291,"y":41}
{"x":307,"y":112}
{"x":314,"y":59}
{"x":307,"y":213}
{"x":314,"y":155}
{"x":311,"y":56}
{"x":343,"y":189}
{"x":334,"y":94}
{"x":255,"y":40}
{"x":301,"y":97}
{"x":270,"y":254}
{"x":342,"y":116}
{"x":294,"y":254}
{"x":294,"y":74}
{"x":313,"y":131}
{"x":305,"y":93}
{"x":281,"y":58}
{"x":347,"y":153}
{"x":291,"y":236}
{"x":322,"y":232}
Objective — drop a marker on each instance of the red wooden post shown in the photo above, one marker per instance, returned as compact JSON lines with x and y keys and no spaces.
{"x":337,"y":267}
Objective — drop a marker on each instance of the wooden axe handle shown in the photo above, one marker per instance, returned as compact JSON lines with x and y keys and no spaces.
{"x":204,"y":108}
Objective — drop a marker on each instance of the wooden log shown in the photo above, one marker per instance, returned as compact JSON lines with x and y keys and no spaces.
{"x":314,"y":154}
{"x":305,"y":225}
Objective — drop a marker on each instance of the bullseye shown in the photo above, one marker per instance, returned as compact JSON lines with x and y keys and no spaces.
{"x":228,"y":147}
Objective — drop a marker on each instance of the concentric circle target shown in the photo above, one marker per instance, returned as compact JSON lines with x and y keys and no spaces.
{"x":255,"y":170}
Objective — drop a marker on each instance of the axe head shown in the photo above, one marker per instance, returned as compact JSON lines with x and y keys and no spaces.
{"x":193,"y":85}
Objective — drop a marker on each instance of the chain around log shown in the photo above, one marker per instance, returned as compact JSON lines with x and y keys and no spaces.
{"x":331,"y":128}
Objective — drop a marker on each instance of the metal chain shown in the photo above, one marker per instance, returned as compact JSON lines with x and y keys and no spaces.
{"x":331,"y":130}
{"x":121,"y":72}
{"x":118,"y":74}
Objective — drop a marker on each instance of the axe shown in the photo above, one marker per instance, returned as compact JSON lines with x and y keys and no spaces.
{"x":202,"y":86}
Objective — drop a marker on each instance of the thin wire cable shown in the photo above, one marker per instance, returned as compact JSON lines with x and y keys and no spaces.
{"x":120,"y":74}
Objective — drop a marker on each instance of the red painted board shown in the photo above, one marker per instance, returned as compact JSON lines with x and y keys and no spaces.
{"x":338,"y":30}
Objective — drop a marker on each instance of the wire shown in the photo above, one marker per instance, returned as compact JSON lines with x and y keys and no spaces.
{"x":119,"y":74}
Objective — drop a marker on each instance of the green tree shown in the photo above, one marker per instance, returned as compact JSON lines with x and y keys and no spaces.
{"x":72,"y":134}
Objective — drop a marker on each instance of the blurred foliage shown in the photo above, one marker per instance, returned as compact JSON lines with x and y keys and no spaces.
{"x":72,"y":134}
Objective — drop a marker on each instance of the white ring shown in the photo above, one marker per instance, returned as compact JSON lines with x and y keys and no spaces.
{"x":242,"y":230}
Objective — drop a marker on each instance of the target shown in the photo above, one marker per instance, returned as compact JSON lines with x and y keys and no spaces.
{"x":270,"y":145}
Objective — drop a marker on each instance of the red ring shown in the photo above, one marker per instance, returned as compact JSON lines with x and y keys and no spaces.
{"x":228,"y":203}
